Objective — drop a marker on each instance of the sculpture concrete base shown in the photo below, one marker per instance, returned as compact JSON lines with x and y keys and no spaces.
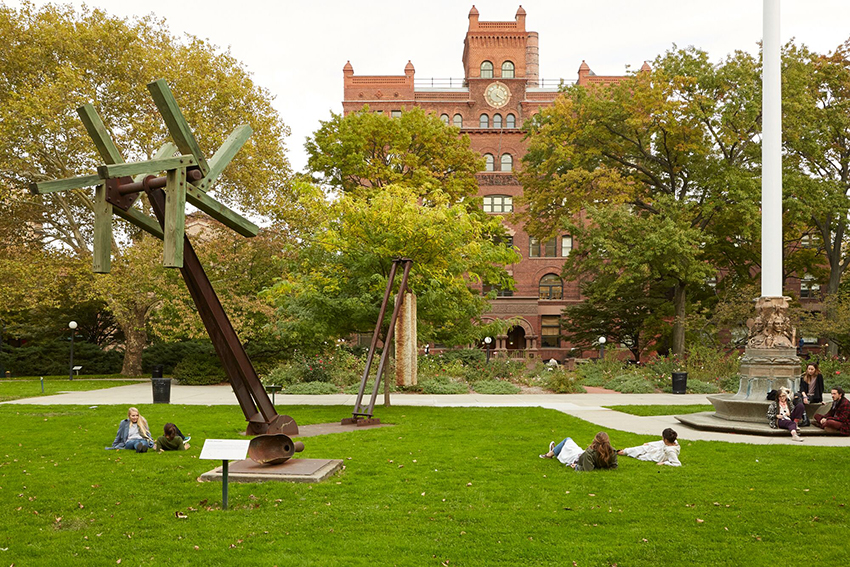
{"x":293,"y":470}
{"x":708,"y":421}
{"x":733,"y":408}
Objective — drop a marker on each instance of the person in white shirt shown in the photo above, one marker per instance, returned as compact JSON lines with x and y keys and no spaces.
{"x":664,"y":452}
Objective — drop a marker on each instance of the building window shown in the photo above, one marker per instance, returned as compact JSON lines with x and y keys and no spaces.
{"x":808,"y":287}
{"x":551,"y":287}
{"x":379,"y":112}
{"x":507,"y":70}
{"x":445,"y":119}
{"x":547,"y":249}
{"x":497,"y":121}
{"x":810,"y":340}
{"x":395,"y":113}
{"x":507,"y":162}
{"x":486,"y":70}
{"x":486,"y":288}
{"x":566,"y":245}
{"x":458,"y":120}
{"x":488,"y":162}
{"x":550,"y":328}
{"x":510,"y":121}
{"x":498,"y":204}
{"x":484,"y":121}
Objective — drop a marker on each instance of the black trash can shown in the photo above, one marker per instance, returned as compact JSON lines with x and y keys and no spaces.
{"x":680,"y":382}
{"x":161,"y":386}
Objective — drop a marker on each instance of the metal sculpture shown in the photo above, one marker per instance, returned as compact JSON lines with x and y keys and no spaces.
{"x":188,"y":177}
{"x":363,"y":415}
{"x":273,"y":449}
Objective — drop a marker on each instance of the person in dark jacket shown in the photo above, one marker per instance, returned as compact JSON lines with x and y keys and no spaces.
{"x":599,"y":455}
{"x":837,"y":419}
{"x":133,"y":433}
{"x":811,"y":385}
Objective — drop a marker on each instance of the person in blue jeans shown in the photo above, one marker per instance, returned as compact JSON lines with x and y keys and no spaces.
{"x":599,"y":455}
{"x":133,"y":433}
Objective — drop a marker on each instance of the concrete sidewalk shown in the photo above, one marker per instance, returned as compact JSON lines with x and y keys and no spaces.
{"x":588,"y":407}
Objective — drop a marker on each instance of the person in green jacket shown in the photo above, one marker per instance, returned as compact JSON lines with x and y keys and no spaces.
{"x":172,"y":440}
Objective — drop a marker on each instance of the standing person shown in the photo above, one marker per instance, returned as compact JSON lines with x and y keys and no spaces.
{"x":599,"y":455}
{"x":837,"y":419}
{"x":133,"y":433}
{"x":782,"y":413}
{"x":664,"y":452}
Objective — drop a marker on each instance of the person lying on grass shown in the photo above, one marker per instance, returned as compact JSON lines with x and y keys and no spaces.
{"x":783,"y":414}
{"x":599,"y":455}
{"x":173,"y":439}
{"x":664,"y":452}
{"x":133,"y":433}
{"x":837,"y":419}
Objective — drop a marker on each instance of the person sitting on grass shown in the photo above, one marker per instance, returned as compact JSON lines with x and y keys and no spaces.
{"x":664,"y":452}
{"x":173,"y":439}
{"x":837,"y":419}
{"x":782,"y":413}
{"x":133,"y":433}
{"x":599,"y":455}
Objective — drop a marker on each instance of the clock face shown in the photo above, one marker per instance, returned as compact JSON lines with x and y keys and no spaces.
{"x":497,"y":95}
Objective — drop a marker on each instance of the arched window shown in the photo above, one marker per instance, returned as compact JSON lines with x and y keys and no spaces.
{"x":488,"y":161}
{"x":551,"y":287}
{"x":484,"y":121}
{"x":507,"y":162}
{"x":510,"y":121}
{"x":497,"y":121}
{"x":507,"y":70}
{"x":458,"y":120}
{"x":445,"y":119}
{"x":486,"y":70}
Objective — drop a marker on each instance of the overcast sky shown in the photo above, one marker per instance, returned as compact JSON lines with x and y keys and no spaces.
{"x":297,"y":49}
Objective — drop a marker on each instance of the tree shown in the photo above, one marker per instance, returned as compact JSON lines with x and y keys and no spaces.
{"x":55,"y":60}
{"x":368,"y":151}
{"x":816,"y":128}
{"x":655,"y":176}
{"x":334,"y":285}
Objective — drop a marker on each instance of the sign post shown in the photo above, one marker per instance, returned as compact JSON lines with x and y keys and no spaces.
{"x":225,"y":450}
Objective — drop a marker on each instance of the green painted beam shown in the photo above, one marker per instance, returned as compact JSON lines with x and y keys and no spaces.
{"x":141,"y":220}
{"x":175,"y":218}
{"x":102,"y":245}
{"x":220,"y":212}
{"x":64,"y":184}
{"x":224,"y":155}
{"x":99,"y":134}
{"x":142,"y":167}
{"x":176,"y":123}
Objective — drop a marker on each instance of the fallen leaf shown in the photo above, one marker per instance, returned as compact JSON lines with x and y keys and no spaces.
{"x":196,"y":547}
{"x":468,"y":484}
{"x":700,"y":521}
{"x":180,"y":515}
{"x":119,"y":561}
{"x":591,"y":495}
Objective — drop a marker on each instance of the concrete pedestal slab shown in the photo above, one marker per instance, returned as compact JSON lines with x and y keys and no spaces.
{"x":293,"y":470}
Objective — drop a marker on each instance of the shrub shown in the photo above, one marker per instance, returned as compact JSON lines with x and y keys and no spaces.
{"x":631,"y":383}
{"x":599,"y":372}
{"x":496,"y":387}
{"x":562,"y":381}
{"x":53,"y":358}
{"x":198,"y":370}
{"x":466,"y":356}
{"x":311,"y":388}
{"x":700,"y":387}
{"x":367,"y":391}
{"x":169,"y":355}
{"x":346,"y":368}
{"x":496,"y":369}
{"x":281,"y":375}
{"x":444,"y":385}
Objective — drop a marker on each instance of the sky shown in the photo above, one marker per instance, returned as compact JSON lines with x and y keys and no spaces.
{"x":297,"y":50}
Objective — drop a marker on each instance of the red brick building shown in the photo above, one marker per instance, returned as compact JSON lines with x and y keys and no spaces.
{"x":500,"y":90}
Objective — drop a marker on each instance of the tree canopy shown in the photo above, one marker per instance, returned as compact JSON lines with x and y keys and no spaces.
{"x":655,"y":176}
{"x":55,"y":60}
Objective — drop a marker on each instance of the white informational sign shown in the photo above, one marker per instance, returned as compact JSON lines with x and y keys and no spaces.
{"x":225,"y":449}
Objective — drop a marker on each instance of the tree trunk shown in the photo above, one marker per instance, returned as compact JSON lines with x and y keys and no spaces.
{"x":836,"y":270}
{"x":135,"y":339}
{"x":679,"y":320}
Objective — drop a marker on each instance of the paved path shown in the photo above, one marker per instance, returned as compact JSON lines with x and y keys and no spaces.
{"x":588,"y":407}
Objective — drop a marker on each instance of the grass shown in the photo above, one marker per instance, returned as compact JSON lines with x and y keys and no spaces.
{"x":662,"y":410}
{"x":31,"y":387}
{"x":444,"y":486}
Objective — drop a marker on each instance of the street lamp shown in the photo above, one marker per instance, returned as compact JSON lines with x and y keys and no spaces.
{"x":488,"y":341}
{"x":72,"y":325}
{"x":602,"y":341}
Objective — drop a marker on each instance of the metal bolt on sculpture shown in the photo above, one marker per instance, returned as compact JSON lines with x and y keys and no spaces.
{"x":187,"y":177}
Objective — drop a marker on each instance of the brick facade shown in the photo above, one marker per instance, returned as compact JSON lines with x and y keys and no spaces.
{"x":516,"y":94}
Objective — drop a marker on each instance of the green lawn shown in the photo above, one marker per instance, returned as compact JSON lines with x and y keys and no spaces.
{"x":662,"y":410}
{"x":445,"y":486}
{"x":31,"y":387}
